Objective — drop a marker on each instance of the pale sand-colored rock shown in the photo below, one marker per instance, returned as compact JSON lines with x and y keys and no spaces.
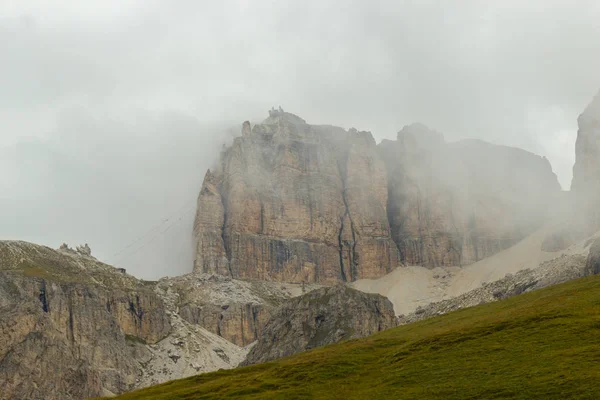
{"x":411,"y":287}
{"x":188,"y":350}
{"x":558,"y":270}
{"x":293,"y":202}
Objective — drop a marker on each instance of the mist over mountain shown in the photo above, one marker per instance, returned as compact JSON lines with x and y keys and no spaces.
{"x":111,"y":113}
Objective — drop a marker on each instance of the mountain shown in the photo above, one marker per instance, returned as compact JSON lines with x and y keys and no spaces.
{"x":72,"y":327}
{"x":453,"y":204}
{"x":542,"y":344}
{"x":294,"y":202}
{"x":293,"y":221}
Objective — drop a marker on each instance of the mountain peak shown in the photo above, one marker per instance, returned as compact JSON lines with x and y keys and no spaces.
{"x":278,"y":115}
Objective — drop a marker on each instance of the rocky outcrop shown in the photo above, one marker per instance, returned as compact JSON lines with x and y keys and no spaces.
{"x":321,"y":317}
{"x":592,"y":266}
{"x":293,"y":202}
{"x":235,"y":310}
{"x":457,"y":203}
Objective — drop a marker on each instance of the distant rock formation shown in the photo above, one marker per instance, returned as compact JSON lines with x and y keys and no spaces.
{"x":457,"y":203}
{"x":585,"y":186}
{"x":83,"y":250}
{"x":294,"y":202}
{"x":586,"y":171}
{"x":321,"y":317}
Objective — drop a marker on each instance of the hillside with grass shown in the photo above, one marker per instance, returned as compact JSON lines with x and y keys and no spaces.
{"x":543,"y":345}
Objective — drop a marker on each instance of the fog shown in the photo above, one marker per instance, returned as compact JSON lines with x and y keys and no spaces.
{"x":111,"y":112}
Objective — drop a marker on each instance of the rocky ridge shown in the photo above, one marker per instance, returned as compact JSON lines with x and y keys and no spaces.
{"x":321,"y":317}
{"x":72,"y":327}
{"x":67,"y":324}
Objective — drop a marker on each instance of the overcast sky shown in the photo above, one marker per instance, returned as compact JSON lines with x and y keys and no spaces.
{"x":111,"y":111}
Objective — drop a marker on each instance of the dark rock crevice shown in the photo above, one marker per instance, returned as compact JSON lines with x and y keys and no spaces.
{"x":226,"y":245}
{"x":341,"y":249}
{"x":43,"y":297}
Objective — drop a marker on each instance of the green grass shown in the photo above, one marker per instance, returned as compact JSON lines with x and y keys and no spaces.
{"x":540,"y":345}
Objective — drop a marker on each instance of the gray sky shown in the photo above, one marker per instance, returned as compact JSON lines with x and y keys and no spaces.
{"x":111,"y":111}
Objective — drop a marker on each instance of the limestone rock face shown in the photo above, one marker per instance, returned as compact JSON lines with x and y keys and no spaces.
{"x":321,"y":317}
{"x":292,"y":202}
{"x":235,"y":310}
{"x":585,"y":185}
{"x":586,"y":171}
{"x":66,"y":336}
{"x":208,"y":228}
{"x":457,"y":203}
{"x":72,"y":327}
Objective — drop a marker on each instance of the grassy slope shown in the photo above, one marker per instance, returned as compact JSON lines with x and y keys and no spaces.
{"x":544,"y":344}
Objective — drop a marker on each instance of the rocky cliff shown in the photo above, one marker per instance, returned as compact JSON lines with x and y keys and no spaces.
{"x":294,"y":202}
{"x":72,"y":327}
{"x":457,"y":203}
{"x":321,"y":317}
{"x":585,"y":185}
{"x":586,"y":171}
{"x":66,"y":333}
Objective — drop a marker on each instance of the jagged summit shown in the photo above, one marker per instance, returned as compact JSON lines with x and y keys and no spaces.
{"x":278,"y":115}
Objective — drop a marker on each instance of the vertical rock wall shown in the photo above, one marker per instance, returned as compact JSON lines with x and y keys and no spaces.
{"x":298,"y":203}
{"x":294,"y":202}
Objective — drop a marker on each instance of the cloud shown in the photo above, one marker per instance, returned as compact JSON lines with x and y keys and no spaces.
{"x":111,"y":111}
